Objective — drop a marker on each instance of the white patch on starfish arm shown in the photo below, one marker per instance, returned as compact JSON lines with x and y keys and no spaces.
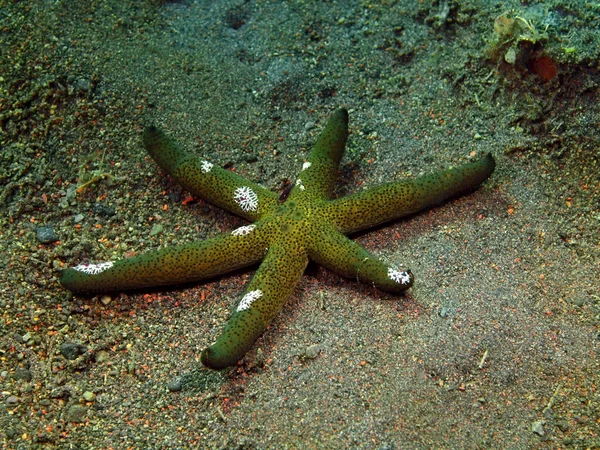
{"x":243,"y":231}
{"x":300,"y":184}
{"x":205,"y":166}
{"x":246,"y":198}
{"x":248,"y":299}
{"x":398,"y":276}
{"x":306,"y":165}
{"x":94,"y":269}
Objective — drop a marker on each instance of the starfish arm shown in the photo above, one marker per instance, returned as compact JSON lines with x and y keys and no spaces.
{"x":218,"y":186}
{"x":345,"y":257}
{"x":174,"y":265}
{"x":268,"y":290}
{"x":392,"y":200}
{"x":319,"y":172}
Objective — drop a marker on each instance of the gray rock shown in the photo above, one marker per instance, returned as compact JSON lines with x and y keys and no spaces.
{"x":11,"y":400}
{"x":103,"y":210}
{"x":538,"y":428}
{"x":70,"y":350}
{"x":175,"y":385}
{"x":312,"y":351}
{"x":76,"y":414}
{"x":22,"y":374}
{"x":46,"y":235}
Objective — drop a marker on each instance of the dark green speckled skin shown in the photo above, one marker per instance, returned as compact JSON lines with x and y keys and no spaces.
{"x":307,"y":226}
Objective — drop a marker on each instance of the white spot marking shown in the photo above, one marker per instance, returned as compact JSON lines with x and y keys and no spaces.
{"x":300,"y":184}
{"x":243,"y":231}
{"x":94,"y":269}
{"x":306,"y":165}
{"x":248,"y":299}
{"x":398,"y":276}
{"x":206,"y":166}
{"x":246,"y":198}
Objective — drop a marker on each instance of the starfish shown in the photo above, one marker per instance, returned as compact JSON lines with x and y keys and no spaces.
{"x":287,"y":232}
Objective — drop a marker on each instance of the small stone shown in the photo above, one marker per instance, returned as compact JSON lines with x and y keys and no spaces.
{"x":70,"y":350}
{"x":538,"y":428}
{"x":511,"y":56}
{"x":446,"y":311}
{"x":106,"y":299}
{"x":563,"y":425}
{"x":22,"y":374}
{"x":83,"y":85}
{"x":579,"y":300}
{"x":309,"y":125}
{"x":11,"y":400}
{"x":78,"y":218}
{"x":259,"y":360}
{"x":89,"y":396}
{"x":59,"y":392}
{"x":156,"y":229}
{"x":312,"y":351}
{"x":101,"y":356}
{"x":76,"y":414}
{"x":46,"y":235}
{"x":103,"y":210}
{"x":175,"y":385}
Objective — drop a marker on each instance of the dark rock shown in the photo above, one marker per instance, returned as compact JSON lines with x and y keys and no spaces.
{"x":22,"y":374}
{"x":59,"y":392}
{"x":175,"y":385}
{"x":563,"y":425}
{"x":103,"y":210}
{"x":76,"y":414}
{"x":46,"y":235}
{"x":70,"y":350}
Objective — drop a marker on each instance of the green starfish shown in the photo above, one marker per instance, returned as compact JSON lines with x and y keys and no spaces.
{"x":286,"y":233}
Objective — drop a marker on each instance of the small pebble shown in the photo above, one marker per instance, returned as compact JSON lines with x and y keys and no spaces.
{"x":156,"y":229}
{"x":11,"y":400}
{"x":83,"y":85}
{"x":579,"y":300}
{"x":174,"y":385}
{"x":106,"y":299}
{"x":59,"y":392}
{"x":312,"y":351}
{"x":78,"y":218}
{"x":46,"y":234}
{"x":101,"y":356}
{"x":538,"y":428}
{"x":259,"y":360}
{"x":563,"y":425}
{"x":103,"y":210}
{"x":89,"y":396}
{"x":22,"y":374}
{"x":76,"y":414}
{"x":70,"y":350}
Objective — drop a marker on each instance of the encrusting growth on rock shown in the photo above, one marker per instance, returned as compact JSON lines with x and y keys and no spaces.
{"x":286,"y":234}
